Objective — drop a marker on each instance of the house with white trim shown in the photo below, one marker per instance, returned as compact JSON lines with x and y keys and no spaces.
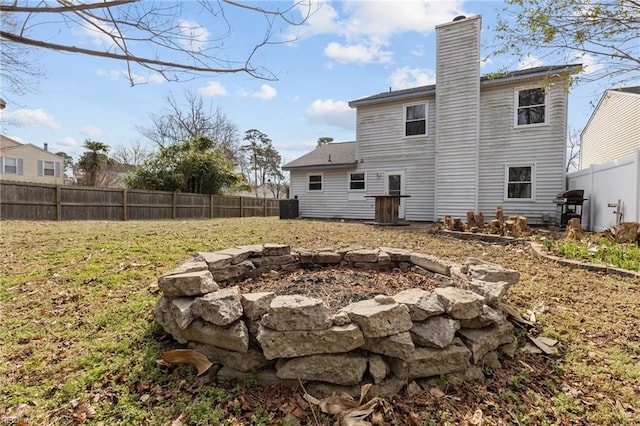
{"x":467,"y":143}
{"x":29,"y":163}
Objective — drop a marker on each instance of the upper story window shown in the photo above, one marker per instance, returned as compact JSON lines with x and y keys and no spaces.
{"x":531,"y":106}
{"x":12,"y":166}
{"x":415,"y":119}
{"x":519,"y":182}
{"x":314,"y":182}
{"x":357,"y":181}
{"x":48,"y":168}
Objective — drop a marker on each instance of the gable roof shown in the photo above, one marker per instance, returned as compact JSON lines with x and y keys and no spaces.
{"x":485,"y":81}
{"x":7,"y":145}
{"x":635,"y":90}
{"x":624,"y":91}
{"x":333,"y":155}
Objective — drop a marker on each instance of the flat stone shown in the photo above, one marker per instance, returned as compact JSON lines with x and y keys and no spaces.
{"x":274,"y":261}
{"x":341,"y":369}
{"x":398,"y":345}
{"x":297,"y":313}
{"x":237,"y":254}
{"x":378,"y":368}
{"x":383,"y":259}
{"x":340,"y":318}
{"x":326,"y":258}
{"x":255,"y":249}
{"x":190,"y":266}
{"x":290,"y":344}
{"x":435,"y":332}
{"x":221,"y":307}
{"x":432,"y":263}
{"x":234,"y":337}
{"x":215,"y":260}
{"x":187,"y":284}
{"x":384,"y":299}
{"x":239,"y":271}
{"x":255,"y":305}
{"x":398,"y":254}
{"x":429,"y":362}
{"x":163,"y":316}
{"x":276,"y":249}
{"x":251,"y":360}
{"x":493,"y":291}
{"x":489,"y":317}
{"x":422,"y":304}
{"x":483,"y":340}
{"x":491,"y":272}
{"x":181,"y":311}
{"x":265,"y":377}
{"x":379,"y":320}
{"x":459,"y":303}
{"x":362,"y":256}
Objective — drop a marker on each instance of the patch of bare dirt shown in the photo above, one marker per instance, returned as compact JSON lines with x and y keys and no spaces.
{"x":338,"y":287}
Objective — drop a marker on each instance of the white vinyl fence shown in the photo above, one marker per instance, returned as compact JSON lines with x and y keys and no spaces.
{"x":605,"y":186}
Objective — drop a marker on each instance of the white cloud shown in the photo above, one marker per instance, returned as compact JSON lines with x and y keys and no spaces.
{"x":589,"y":62}
{"x":137,"y":78}
{"x":530,"y":61}
{"x":31,"y":118}
{"x":213,"y":88}
{"x":195,"y":36}
{"x":357,"y":53}
{"x":265,"y":92}
{"x":334,"y":113}
{"x":68,"y":141}
{"x":406,"y":77}
{"x":91,"y":131}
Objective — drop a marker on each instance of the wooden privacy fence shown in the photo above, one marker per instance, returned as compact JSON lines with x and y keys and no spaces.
{"x":32,"y":201}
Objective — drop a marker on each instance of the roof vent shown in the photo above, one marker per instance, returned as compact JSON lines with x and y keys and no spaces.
{"x":459,"y":18}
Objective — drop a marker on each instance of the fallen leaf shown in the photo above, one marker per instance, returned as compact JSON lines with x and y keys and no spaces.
{"x":187,"y":356}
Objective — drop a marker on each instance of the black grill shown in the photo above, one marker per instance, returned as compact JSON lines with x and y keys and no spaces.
{"x":571,"y":203}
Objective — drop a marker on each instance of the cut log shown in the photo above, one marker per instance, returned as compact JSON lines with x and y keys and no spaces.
{"x":457,"y":224}
{"x":448,"y":223}
{"x":574,"y":230}
{"x":500,"y":214}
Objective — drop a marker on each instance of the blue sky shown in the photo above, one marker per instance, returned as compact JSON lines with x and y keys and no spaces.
{"x":346,"y":50}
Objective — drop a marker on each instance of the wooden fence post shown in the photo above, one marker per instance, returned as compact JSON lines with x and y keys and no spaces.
{"x":125,"y":213}
{"x":211,"y":206}
{"x":58,"y":202}
{"x":241,"y":207}
{"x":173,"y":205}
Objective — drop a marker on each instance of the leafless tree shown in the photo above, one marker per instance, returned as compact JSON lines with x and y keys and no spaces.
{"x":180,"y":122}
{"x":573,"y":151}
{"x":154,"y":35}
{"x":19,"y":70}
{"x":132,"y":155}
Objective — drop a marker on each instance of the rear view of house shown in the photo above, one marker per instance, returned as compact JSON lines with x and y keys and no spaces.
{"x":466,"y":143}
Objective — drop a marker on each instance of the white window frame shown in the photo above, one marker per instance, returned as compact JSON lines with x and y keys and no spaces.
{"x":45,"y":168}
{"x":350,"y":181}
{"x":5,"y":165}
{"x":426,"y":119}
{"x":321,"y":182}
{"x":516,"y":107}
{"x":507,"y":182}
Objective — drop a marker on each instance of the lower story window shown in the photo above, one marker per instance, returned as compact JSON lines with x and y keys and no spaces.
{"x":519,"y":182}
{"x":356,"y":181}
{"x":315,"y":182}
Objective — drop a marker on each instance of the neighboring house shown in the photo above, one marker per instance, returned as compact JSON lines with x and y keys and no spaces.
{"x":474,"y":143}
{"x":613,"y":130}
{"x":609,"y":171}
{"x":29,"y":163}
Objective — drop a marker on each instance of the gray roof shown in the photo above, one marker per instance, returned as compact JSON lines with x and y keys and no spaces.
{"x":635,"y":90}
{"x":329,"y":156}
{"x":486,"y":80}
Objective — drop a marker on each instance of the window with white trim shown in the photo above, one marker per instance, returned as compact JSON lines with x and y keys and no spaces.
{"x":357,"y":181}
{"x":314,"y":182}
{"x":48,"y":168}
{"x":519,"y":182}
{"x":10,"y":166}
{"x":415,"y":119}
{"x":531,"y":106}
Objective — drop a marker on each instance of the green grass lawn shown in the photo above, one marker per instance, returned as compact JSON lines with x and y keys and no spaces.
{"x":78,"y":343}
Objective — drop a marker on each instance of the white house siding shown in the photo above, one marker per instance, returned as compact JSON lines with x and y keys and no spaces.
{"x":32,"y":158}
{"x":382,"y":148}
{"x":613,"y":131}
{"x":602,"y":184}
{"x":503,"y":144}
{"x":334,"y":201}
{"x":457,"y":99}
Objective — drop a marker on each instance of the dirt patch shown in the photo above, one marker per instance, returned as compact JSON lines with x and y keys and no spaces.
{"x":338,"y":287}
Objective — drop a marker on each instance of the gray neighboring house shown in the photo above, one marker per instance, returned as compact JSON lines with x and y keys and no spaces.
{"x":473,"y":144}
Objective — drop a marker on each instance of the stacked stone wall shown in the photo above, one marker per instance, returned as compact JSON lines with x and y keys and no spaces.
{"x":389,"y":340}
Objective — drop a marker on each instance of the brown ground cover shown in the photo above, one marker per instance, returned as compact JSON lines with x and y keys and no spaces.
{"x":78,"y":343}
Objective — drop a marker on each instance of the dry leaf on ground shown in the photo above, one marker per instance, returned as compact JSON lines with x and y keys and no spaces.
{"x":187,"y":356}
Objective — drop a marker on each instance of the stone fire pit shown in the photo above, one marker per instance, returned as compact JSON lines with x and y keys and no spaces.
{"x":457,"y":328}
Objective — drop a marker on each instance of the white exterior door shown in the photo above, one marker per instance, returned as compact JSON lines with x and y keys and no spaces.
{"x":394,"y":185}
